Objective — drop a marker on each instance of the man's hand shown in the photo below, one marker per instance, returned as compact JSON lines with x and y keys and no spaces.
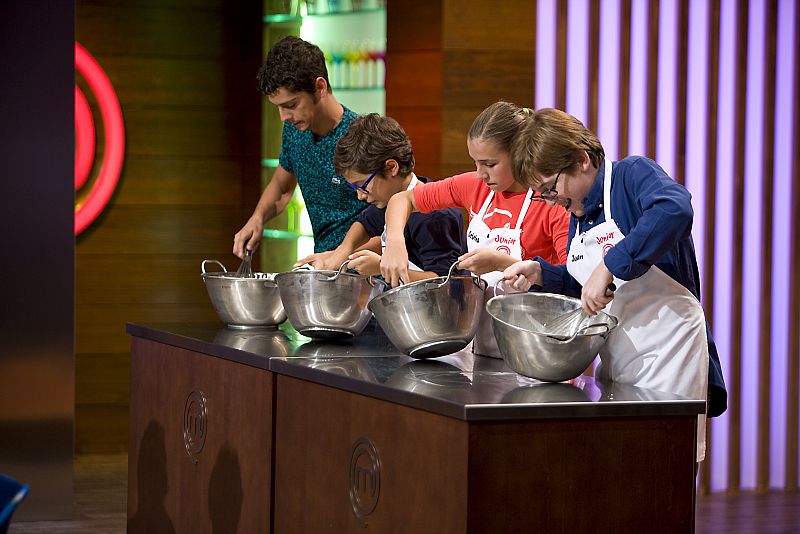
{"x":249,"y":237}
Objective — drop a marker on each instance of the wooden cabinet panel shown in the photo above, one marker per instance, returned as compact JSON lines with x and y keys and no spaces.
{"x":316,"y":429}
{"x":575,"y":465}
{"x":220,"y":480}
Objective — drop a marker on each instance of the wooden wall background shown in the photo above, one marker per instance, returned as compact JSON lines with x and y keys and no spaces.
{"x":184,"y":72}
{"x":709,"y":89}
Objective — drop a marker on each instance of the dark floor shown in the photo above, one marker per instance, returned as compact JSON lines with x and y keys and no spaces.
{"x":101,"y":490}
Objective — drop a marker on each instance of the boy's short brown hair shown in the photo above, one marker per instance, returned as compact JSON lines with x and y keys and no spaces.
{"x":370,"y":141}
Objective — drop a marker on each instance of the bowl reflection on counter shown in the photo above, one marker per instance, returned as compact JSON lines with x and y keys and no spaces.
{"x":546,"y":392}
{"x":351,"y":367}
{"x":266,"y":342}
{"x":428,"y":376}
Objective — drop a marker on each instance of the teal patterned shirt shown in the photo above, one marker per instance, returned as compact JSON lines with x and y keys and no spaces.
{"x":332,"y":207}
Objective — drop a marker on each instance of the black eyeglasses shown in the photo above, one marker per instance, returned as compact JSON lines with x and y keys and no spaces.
{"x":551,"y":194}
{"x":362,"y":187}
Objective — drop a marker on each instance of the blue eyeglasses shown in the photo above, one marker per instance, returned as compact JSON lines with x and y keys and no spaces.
{"x":362,"y":187}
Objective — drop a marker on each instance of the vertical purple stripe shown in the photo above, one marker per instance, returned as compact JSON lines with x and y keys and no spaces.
{"x":781,"y":246}
{"x":608,"y":78}
{"x":752,"y":235}
{"x":546,"y":25}
{"x":696,"y":118}
{"x":637,"y":118}
{"x":667,"y":72}
{"x":578,"y":59}
{"x":724,"y":229}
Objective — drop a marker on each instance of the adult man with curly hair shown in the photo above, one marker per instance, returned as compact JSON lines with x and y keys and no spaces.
{"x":294,"y":78}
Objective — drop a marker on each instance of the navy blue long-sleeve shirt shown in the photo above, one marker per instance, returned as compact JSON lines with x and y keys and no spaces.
{"x":655,"y":214}
{"x":434,"y":240}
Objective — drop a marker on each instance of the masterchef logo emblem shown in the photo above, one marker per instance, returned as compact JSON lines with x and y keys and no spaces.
{"x":93,"y":190}
{"x":364,"y":479}
{"x":195,"y":424}
{"x":504,"y":249}
{"x":606,"y":248}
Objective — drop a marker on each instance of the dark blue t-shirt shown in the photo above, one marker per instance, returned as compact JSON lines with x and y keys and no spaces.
{"x":434,"y":240}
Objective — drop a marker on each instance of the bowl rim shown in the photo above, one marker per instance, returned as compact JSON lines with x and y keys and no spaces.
{"x":613,"y":321}
{"x":326,"y":272}
{"x":435,"y":279}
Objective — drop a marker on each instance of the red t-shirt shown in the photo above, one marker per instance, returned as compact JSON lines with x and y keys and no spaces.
{"x":545,"y":229}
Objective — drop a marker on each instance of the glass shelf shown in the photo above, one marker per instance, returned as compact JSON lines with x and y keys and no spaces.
{"x":283,"y":234}
{"x":283,"y":17}
{"x":270,"y":163}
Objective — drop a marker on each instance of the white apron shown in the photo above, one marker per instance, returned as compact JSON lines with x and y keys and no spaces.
{"x":660,"y":342}
{"x":507,"y":240}
{"x":411,"y":267}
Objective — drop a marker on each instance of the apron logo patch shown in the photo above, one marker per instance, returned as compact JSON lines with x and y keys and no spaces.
{"x":504,"y":249}
{"x":606,"y":248}
{"x":576,"y":257}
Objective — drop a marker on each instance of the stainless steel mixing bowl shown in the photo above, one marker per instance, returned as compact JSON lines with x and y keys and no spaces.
{"x":327,"y":304}
{"x":433,"y":317}
{"x":535,"y":354}
{"x":244,"y":302}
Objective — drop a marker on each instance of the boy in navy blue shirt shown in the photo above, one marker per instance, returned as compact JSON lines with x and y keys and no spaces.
{"x":376,"y":159}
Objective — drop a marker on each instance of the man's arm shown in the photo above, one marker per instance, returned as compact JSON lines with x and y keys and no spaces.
{"x":273,"y":201}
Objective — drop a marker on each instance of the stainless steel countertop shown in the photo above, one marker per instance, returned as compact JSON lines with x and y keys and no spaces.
{"x":460,"y":385}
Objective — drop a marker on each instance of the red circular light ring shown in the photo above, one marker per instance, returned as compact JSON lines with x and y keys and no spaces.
{"x":114,"y":139}
{"x":84,"y":139}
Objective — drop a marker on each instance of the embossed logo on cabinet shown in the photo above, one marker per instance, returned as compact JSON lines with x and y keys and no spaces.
{"x":364,"y":478}
{"x":195,"y":424}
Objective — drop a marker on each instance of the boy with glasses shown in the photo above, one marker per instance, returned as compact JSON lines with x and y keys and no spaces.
{"x":376,"y":159}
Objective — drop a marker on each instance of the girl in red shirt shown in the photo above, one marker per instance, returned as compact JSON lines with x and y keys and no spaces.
{"x":505,"y":226}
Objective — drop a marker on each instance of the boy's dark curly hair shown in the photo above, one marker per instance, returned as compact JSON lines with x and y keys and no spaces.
{"x":294,"y":64}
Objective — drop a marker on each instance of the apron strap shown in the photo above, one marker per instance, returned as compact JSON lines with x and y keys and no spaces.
{"x":607,"y":190}
{"x":525,"y":205}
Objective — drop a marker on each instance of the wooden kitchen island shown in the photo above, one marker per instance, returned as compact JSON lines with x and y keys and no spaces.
{"x":269,"y":431}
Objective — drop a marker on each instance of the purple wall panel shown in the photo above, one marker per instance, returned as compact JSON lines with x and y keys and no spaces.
{"x":608,"y":79}
{"x":578,"y":59}
{"x":782,"y":215}
{"x":724,"y":229}
{"x":546,"y":54}
{"x":752,"y":239}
